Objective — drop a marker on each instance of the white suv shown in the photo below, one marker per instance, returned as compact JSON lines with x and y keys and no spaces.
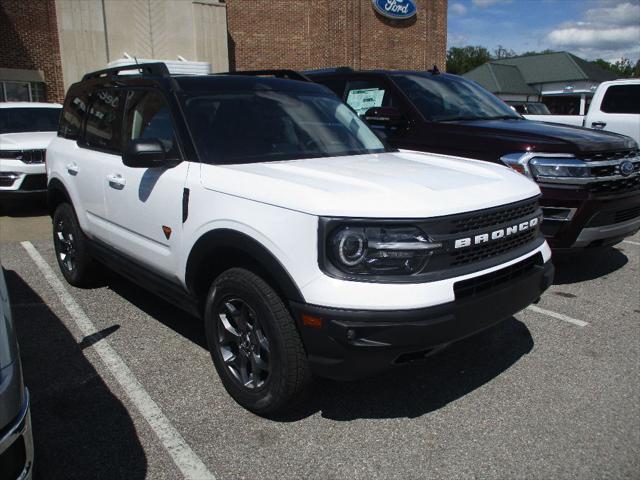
{"x":25,"y":132}
{"x":269,"y":209}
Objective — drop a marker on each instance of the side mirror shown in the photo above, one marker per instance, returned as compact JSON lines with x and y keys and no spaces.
{"x":144,"y":153}
{"x":385,"y":116}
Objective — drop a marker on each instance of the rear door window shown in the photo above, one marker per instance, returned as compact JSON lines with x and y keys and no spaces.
{"x":361,"y":95}
{"x":73,"y":114}
{"x":104,"y":121}
{"x":621,"y":99}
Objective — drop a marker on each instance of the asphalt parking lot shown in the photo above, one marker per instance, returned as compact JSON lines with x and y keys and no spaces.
{"x":122,"y":386}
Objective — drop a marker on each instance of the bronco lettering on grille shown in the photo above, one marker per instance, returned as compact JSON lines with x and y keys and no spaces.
{"x":496,"y":234}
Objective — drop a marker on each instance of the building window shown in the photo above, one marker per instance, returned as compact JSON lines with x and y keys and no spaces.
{"x":12,"y":91}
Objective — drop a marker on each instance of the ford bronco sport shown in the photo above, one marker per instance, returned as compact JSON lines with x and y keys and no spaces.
{"x":269,"y":209}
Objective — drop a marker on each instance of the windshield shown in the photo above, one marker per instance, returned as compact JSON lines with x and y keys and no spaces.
{"x":263,"y":126}
{"x":538,"y":109}
{"x":442,"y":98}
{"x":30,"y":119}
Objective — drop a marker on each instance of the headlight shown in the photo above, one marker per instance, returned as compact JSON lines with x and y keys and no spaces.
{"x":551,"y":167}
{"x":379,"y":250}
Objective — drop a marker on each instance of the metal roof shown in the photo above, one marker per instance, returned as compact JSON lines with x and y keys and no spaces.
{"x":556,"y":67}
{"x":498,"y":78}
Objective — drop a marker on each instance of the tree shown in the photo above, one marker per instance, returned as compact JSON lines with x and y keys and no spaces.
{"x":502,"y":52}
{"x":622,"y":68}
{"x":463,"y":59}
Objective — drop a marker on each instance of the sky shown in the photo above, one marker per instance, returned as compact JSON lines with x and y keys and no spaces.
{"x":608,"y":29}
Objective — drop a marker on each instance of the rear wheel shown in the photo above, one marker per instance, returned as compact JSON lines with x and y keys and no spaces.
{"x":254,"y":343}
{"x":71,"y":247}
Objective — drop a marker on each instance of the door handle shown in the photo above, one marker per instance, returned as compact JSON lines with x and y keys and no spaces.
{"x":116,"y":181}
{"x":72,"y":168}
{"x":598,"y":125}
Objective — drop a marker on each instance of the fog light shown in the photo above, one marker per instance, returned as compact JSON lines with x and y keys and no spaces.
{"x":7,"y":178}
{"x":558,"y":214}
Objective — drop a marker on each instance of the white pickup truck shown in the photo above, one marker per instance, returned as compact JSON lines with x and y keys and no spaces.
{"x":615,"y":107}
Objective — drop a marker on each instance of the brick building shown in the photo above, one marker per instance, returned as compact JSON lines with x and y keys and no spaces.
{"x":305,"y":34}
{"x":30,"y":66}
{"x":45,"y":45}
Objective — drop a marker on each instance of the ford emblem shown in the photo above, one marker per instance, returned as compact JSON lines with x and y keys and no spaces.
{"x":396,"y":9}
{"x":626,"y":168}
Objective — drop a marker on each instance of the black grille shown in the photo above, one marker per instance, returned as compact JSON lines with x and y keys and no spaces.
{"x":483,"y":222}
{"x":485,"y":283}
{"x":490,"y":250}
{"x":34,"y":182}
{"x":610,"y":170}
{"x":599,"y":157}
{"x":616,"y":186}
{"x":25,"y":156}
{"x":6,"y":181}
{"x":610,"y":217}
{"x":627,"y":214}
{"x":33,"y":156}
{"x":491,"y":219}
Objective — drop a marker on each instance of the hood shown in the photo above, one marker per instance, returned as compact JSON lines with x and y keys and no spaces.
{"x":26,"y":140}
{"x":388,"y":185}
{"x":547,"y":136}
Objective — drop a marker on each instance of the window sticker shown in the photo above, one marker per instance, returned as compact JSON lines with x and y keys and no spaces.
{"x":364,"y":99}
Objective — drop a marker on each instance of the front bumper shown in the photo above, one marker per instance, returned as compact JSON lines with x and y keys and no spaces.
{"x":349,"y":344}
{"x":20,"y":180}
{"x":599,"y":220}
{"x":16,"y":446}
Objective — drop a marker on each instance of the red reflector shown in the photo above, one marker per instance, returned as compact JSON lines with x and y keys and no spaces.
{"x":518,"y":168}
{"x":309,"y":321}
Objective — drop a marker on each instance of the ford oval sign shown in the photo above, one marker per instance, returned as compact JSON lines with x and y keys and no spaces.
{"x":396,"y":9}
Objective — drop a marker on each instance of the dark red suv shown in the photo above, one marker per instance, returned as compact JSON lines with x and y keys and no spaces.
{"x":590,"y":180}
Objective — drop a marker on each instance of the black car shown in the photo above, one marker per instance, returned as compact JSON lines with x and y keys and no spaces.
{"x":590,"y":180}
{"x":16,"y":444}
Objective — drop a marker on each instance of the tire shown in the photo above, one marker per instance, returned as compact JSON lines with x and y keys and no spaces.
{"x":70,"y":244}
{"x":254,"y":344}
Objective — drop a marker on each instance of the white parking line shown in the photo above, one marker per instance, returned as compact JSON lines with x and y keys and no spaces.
{"x":185,"y":459}
{"x":631,"y":242}
{"x":559,"y":316}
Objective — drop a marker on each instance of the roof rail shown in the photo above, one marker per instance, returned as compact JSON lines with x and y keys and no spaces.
{"x":157,"y":69}
{"x":283,"y":73}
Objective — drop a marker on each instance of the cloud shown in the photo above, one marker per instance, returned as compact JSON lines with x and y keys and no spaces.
{"x":583,"y":36}
{"x":621,"y":14}
{"x":610,"y":31}
{"x":458,"y":9}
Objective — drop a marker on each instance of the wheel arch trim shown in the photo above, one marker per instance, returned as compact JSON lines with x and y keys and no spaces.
{"x":226,"y":238}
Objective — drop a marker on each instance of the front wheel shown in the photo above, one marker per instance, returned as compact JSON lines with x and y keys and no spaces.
{"x":72,"y":251}
{"x":254,"y":343}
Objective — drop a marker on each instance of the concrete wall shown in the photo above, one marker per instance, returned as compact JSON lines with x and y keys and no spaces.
{"x":95,"y":32}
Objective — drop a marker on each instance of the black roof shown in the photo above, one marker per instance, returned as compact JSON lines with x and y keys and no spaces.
{"x":192,"y":83}
{"x":333,"y":72}
{"x":157,"y":73}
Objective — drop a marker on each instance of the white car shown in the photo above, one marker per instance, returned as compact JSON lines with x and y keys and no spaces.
{"x":270,"y":210}
{"x":26,"y":129}
{"x":615,"y":107}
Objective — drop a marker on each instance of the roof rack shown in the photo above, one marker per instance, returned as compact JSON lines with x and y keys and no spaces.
{"x":157,"y":69}
{"x":286,"y":74}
